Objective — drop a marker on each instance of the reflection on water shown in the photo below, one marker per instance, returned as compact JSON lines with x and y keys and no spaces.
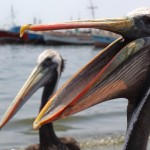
{"x":100,"y":127}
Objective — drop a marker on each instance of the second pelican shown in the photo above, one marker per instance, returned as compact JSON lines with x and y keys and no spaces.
{"x":46,"y":74}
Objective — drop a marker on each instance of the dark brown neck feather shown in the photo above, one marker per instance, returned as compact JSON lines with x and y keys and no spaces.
{"x":47,"y":136}
{"x":139,"y":126}
{"x":139,"y":81}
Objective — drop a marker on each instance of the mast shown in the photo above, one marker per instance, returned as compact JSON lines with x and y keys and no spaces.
{"x":92,"y":8}
{"x":12,"y":16}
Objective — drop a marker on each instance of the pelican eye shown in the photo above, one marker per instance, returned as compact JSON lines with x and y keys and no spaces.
{"x":47,"y":62}
{"x":146,"y":20}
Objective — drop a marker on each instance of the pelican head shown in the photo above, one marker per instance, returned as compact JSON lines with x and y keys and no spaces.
{"x":120,"y":70}
{"x":47,"y":70}
{"x":134,"y":25}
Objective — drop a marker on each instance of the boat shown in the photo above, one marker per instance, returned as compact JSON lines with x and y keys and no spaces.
{"x":30,"y":37}
{"x":8,"y":37}
{"x":102,"y":41}
{"x":65,"y":38}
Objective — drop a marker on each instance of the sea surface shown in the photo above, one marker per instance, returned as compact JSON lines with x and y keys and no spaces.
{"x":98,"y":128}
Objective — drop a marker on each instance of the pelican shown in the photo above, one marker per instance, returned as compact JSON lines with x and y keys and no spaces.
{"x":46,"y":74}
{"x":121,"y":70}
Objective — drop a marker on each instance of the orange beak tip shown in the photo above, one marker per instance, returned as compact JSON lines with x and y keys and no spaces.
{"x":1,"y":126}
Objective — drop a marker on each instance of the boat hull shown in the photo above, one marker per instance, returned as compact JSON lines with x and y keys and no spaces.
{"x":29,"y":37}
{"x":7,"y":37}
{"x":102,"y":41}
{"x":65,"y":39}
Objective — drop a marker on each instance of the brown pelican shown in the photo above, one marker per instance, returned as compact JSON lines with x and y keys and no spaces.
{"x":121,"y":70}
{"x":46,"y":74}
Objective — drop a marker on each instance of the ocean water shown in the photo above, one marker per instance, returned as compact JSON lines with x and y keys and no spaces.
{"x":100,"y":127}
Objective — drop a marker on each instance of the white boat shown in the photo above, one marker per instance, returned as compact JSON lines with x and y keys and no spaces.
{"x":76,"y":38}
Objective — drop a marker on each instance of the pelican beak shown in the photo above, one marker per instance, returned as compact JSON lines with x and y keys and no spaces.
{"x":77,"y":93}
{"x":100,"y":80}
{"x":120,"y":26}
{"x":36,"y":79}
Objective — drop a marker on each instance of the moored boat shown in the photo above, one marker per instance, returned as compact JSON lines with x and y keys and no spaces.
{"x":30,"y":37}
{"x":74,"y":38}
{"x":102,"y":41}
{"x":7,"y":37}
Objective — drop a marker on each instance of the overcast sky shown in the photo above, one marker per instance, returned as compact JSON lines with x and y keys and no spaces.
{"x":63,"y":10}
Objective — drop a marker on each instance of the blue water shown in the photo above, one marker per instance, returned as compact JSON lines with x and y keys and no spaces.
{"x":95,"y":128}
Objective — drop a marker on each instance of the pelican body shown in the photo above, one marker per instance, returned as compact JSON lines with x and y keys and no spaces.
{"x":121,"y":70}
